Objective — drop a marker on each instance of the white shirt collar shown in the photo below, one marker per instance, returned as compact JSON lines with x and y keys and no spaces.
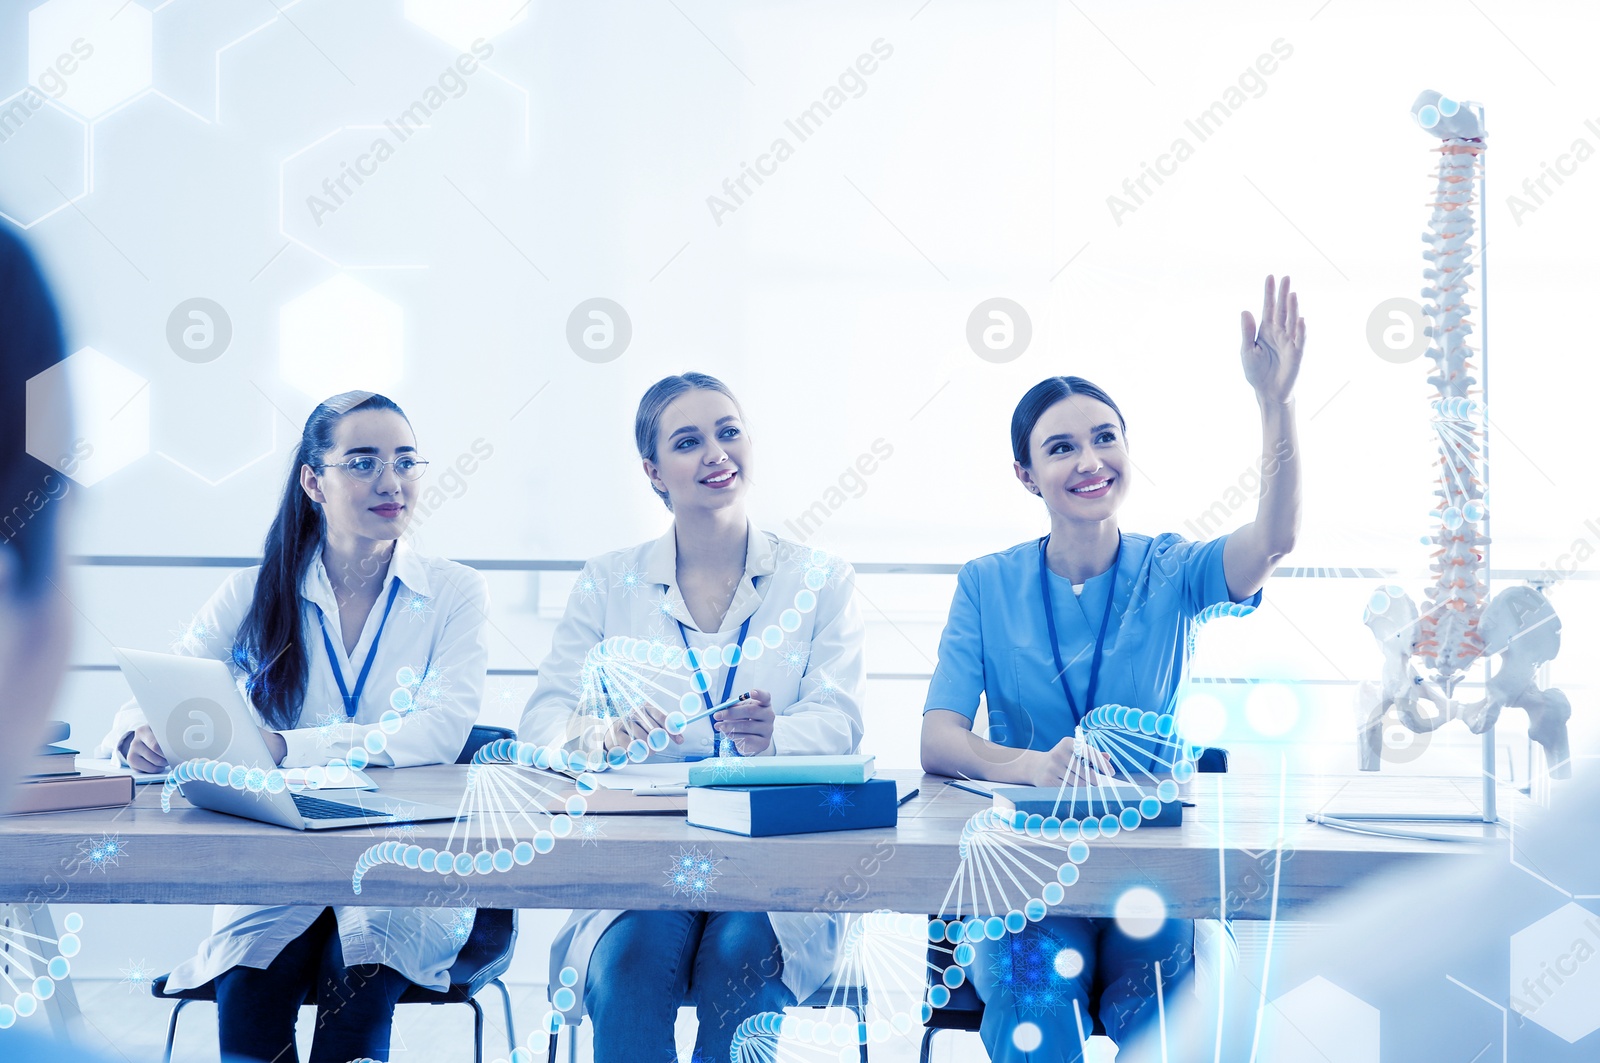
{"x":661,"y":570}
{"x":405,"y":565}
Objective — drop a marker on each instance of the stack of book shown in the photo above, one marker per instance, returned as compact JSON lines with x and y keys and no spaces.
{"x":53,"y":783}
{"x":763,"y":796}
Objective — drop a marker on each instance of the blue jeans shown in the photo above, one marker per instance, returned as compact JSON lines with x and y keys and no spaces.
{"x":647,"y":964}
{"x":1020,"y":981}
{"x":257,"y":1008}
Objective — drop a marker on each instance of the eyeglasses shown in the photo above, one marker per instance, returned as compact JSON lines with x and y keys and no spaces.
{"x":367,"y":469}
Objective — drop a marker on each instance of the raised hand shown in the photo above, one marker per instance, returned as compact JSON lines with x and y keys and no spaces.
{"x":1271,"y":354}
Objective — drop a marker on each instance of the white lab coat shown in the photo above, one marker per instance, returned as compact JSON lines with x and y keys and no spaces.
{"x":438,"y":623}
{"x":816,"y":677}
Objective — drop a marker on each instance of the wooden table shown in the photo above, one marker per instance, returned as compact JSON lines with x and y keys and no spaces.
{"x":1221,"y":861}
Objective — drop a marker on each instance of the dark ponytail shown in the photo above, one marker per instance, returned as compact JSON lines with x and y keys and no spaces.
{"x":269,"y":648}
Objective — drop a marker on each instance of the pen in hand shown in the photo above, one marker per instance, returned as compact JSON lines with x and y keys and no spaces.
{"x":677,"y":721}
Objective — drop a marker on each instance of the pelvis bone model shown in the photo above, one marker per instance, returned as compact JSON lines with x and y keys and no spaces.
{"x":1427,"y":651}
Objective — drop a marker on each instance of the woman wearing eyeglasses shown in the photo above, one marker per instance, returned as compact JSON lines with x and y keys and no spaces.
{"x":318,"y":636}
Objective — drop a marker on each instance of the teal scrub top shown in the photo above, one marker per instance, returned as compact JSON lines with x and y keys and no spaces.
{"x":995,"y":643}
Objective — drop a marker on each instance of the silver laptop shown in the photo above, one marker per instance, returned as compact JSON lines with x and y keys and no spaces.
{"x":196,"y":709}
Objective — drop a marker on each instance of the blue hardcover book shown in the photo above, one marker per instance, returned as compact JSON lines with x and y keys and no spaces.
{"x":763,"y":811}
{"x":1082,"y":803}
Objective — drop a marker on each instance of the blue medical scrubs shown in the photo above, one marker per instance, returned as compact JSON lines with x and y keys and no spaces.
{"x":995,"y":646}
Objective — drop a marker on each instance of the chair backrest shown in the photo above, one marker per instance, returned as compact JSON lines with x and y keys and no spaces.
{"x":1212,"y":759}
{"x":486,"y":955}
{"x":482,"y":735}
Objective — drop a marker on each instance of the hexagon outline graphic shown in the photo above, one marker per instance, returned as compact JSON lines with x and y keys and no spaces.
{"x":459,"y":23}
{"x":283,"y":228}
{"x":124,"y":35}
{"x":1337,"y":1023}
{"x":88,"y":170}
{"x":109,"y":408}
{"x":272,"y":448}
{"x":1554,"y":967}
{"x":340,"y":335}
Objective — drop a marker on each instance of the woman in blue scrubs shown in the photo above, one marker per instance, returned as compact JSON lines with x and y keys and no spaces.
{"x":1120,"y":607}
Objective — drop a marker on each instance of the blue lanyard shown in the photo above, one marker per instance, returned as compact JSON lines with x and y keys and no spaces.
{"x":727,"y":685}
{"x":351,"y":701}
{"x":1055,"y":643}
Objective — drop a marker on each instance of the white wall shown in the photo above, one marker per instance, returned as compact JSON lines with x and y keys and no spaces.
{"x":977,"y":162}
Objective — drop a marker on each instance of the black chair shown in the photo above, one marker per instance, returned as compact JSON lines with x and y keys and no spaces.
{"x":965,"y":1009}
{"x":852,"y":997}
{"x":480,"y":963}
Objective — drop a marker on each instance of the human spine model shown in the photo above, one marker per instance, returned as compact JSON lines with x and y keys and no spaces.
{"x":1446,"y":635}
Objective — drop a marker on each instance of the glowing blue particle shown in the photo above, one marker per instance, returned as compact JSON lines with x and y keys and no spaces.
{"x":954,"y":976}
{"x":375,"y":742}
{"x":1053,"y":893}
{"x":543,"y":842}
{"x":72,"y":923}
{"x":772,"y":636}
{"x":1034,"y":910}
{"x":1015,"y":920}
{"x":236,"y":776}
{"x":1109,"y":826}
{"x":658,"y":739}
{"x":995,"y":927}
{"x":58,"y":967}
{"x":617,"y":756}
{"x":1182,"y":771}
{"x":1070,"y":829}
{"x":816,"y":579}
{"x":412,"y":856}
{"x":1050,"y":829}
{"x":1150,"y":807}
{"x":1129,"y":817}
{"x":1166,"y":725}
{"x":964,"y":953}
{"x":1034,"y":825}
{"x":401,"y":700}
{"x":43,"y":988}
{"x":8,"y":1016}
{"x":523,"y":853}
{"x":789,"y":620}
{"x":1077,"y":852}
{"x":406,"y":676}
{"x":1067,"y":874}
{"x":563,"y":999}
{"x":426,"y":858}
{"x":502,"y":860}
{"x":1147,"y":722}
{"x":1090,"y":828}
{"x":26,"y":1004}
{"x":577,"y":805}
{"x":936,"y":930}
{"x":938,"y":996}
{"x":955,"y":931}
{"x":463,"y":863}
{"x":677,"y":721}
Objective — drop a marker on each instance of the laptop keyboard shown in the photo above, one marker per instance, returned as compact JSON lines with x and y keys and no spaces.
{"x":317,"y":808}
